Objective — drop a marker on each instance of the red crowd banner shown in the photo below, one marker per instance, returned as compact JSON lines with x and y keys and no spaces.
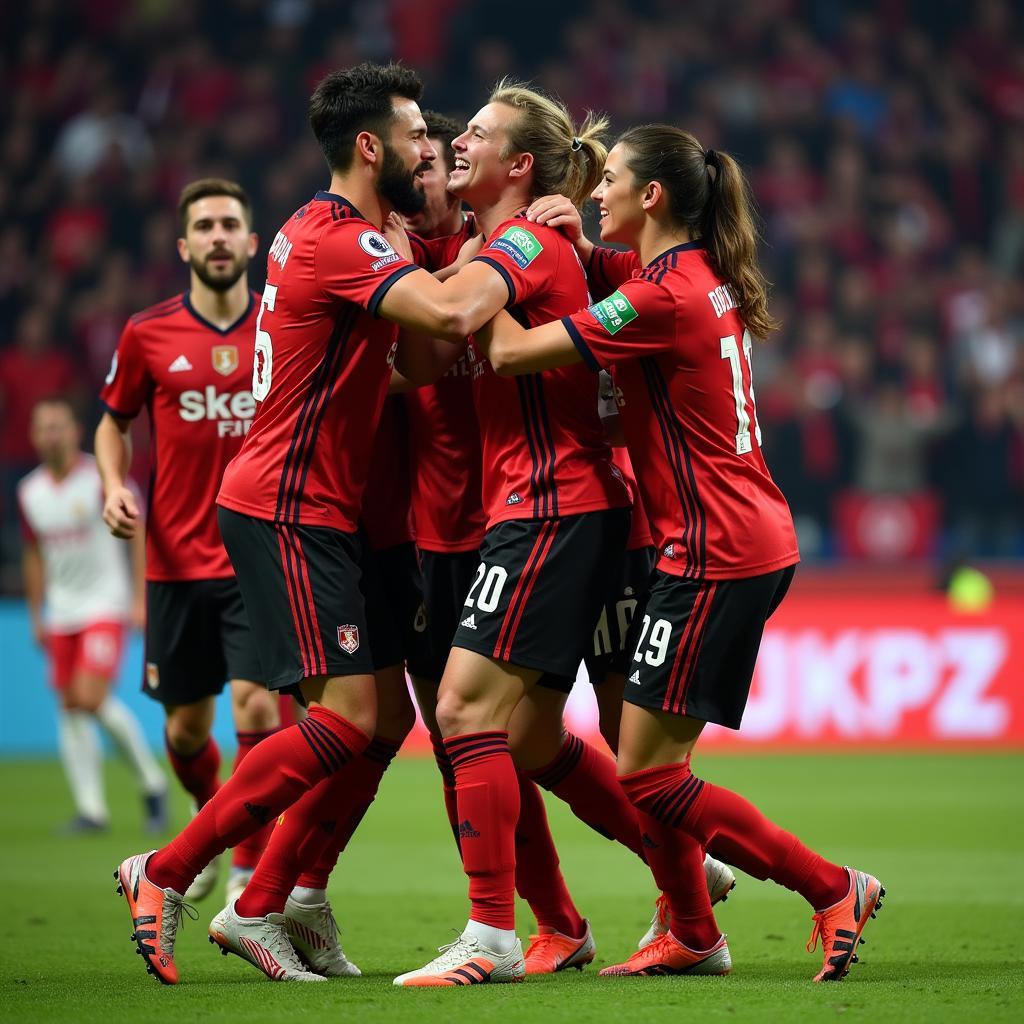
{"x":900,"y":671}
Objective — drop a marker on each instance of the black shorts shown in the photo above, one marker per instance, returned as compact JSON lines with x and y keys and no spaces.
{"x":300,"y":585}
{"x":695,"y":644}
{"x":538,"y":589}
{"x":197,"y":638}
{"x":395,"y":612}
{"x":608,"y":651}
{"x":447,"y":577}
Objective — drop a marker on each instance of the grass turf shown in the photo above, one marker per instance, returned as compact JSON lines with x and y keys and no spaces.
{"x":944,"y":833}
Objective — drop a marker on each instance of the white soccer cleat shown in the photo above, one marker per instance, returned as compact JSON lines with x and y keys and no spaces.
{"x":466,"y":962}
{"x":314,"y":934}
{"x":204,"y":882}
{"x":721,"y":881}
{"x":262,"y":942}
{"x":238,"y":879}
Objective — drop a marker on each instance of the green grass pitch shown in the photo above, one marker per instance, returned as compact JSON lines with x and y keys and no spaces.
{"x":944,"y":833}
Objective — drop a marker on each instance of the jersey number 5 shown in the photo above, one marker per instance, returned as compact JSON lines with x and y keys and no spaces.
{"x":263,"y":357}
{"x":732,"y":353}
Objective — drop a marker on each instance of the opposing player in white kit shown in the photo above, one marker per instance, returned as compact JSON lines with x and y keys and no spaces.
{"x":80,"y":597}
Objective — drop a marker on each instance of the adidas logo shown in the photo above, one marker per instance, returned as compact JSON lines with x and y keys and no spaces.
{"x":259,"y":812}
{"x":466,"y":831}
{"x":469,"y":622}
{"x":514,"y":499}
{"x":635,"y":678}
{"x":670,"y":551}
{"x":180,"y":365}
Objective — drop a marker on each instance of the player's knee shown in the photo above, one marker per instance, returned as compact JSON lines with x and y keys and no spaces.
{"x":186,"y":733}
{"x":258,"y":710}
{"x":454,"y":714}
{"x":396,"y":723}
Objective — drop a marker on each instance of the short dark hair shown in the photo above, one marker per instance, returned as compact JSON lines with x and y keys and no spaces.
{"x":206,"y":187}
{"x":356,"y":100}
{"x":447,"y":130}
{"x":59,"y":399}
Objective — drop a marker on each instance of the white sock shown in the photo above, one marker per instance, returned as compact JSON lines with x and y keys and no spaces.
{"x":82,"y":758}
{"x":498,"y":940}
{"x":126,"y":732}
{"x":309,"y":897}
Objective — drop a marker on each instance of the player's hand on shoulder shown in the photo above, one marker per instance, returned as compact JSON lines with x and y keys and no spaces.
{"x":121,"y":512}
{"x":557,"y":212}
{"x":397,"y":237}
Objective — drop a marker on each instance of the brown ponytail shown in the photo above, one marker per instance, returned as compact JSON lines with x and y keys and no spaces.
{"x":566,"y":159}
{"x":708,"y":194}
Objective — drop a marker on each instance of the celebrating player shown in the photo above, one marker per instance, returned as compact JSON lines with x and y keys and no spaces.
{"x":73,"y":566}
{"x":187,"y":360}
{"x":678,"y":333}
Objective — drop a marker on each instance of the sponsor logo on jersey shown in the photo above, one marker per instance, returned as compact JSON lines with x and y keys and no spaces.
{"x":520,"y":244}
{"x":180,"y":365}
{"x":514,"y":499}
{"x":231,"y":411}
{"x":225,"y":359}
{"x":152,"y":675}
{"x":635,"y":678}
{"x":348,"y":638}
{"x":373,"y":243}
{"x":613,"y":313}
{"x":281,"y":249}
{"x":112,"y":372}
{"x":469,"y":622}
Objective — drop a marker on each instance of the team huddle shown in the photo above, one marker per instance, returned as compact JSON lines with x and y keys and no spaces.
{"x":454,"y":438}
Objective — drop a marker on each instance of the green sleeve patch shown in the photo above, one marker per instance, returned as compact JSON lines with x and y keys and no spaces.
{"x":520,"y":244}
{"x":614,"y":312}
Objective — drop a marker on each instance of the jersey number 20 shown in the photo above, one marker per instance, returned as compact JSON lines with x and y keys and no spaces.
{"x":731,"y":352}
{"x":263,"y":357}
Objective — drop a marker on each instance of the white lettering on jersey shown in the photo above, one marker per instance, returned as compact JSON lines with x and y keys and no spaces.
{"x":722,"y":300}
{"x":233,"y":412}
{"x":281,"y":249}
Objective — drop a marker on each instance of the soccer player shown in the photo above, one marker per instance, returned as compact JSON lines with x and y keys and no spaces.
{"x":81,"y":574}
{"x":188,"y":362}
{"x":678,"y":332}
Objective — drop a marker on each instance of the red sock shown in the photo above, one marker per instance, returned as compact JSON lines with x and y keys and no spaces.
{"x":585,"y":779}
{"x":539,"y":879}
{"x":363,"y":779}
{"x":488,"y":809}
{"x":734,"y":828}
{"x":247,"y":853}
{"x":675,"y":857}
{"x":271,"y":778}
{"x":444,"y":766}
{"x":199,"y":773}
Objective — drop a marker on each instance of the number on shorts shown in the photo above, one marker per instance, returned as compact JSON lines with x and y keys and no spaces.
{"x":263,"y":357}
{"x":658,"y":641}
{"x":731,"y":352}
{"x":493,"y":580}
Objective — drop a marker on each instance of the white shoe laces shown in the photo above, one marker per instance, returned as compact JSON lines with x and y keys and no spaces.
{"x":174,"y":910}
{"x":454,"y":954}
{"x":271,"y":935}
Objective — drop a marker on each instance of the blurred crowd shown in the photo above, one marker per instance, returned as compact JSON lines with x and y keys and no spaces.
{"x":884,"y":142}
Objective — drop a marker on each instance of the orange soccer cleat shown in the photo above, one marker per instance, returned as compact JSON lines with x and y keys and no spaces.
{"x":550,"y":951}
{"x":840,"y":925}
{"x":667,"y":955}
{"x":156,"y":916}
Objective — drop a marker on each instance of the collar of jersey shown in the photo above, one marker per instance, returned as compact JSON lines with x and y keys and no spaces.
{"x":333,"y":197}
{"x":187,"y":302}
{"x":697,"y":243}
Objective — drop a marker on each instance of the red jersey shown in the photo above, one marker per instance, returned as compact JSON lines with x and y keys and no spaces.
{"x":385,"y":517}
{"x":195,"y":380}
{"x":544,"y":449}
{"x":444,"y":437}
{"x":681,"y":359}
{"x":321,"y":370}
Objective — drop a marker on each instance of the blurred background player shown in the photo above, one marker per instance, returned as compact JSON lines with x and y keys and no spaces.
{"x":80,"y":575}
{"x":188,"y":361}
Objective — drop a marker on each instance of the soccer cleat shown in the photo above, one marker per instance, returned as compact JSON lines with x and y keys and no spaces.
{"x":721,"y":881}
{"x":80,"y":825}
{"x":314,"y":934}
{"x":238,"y":879}
{"x":204,"y":882}
{"x":466,"y":962}
{"x":156,"y":916}
{"x":840,"y":925}
{"x":262,"y":942}
{"x":667,"y":955}
{"x":551,"y":951}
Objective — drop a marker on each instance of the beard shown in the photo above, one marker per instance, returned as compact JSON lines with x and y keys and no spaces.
{"x":219,"y":282}
{"x":398,"y":184}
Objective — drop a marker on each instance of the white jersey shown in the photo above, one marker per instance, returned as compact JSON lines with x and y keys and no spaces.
{"x":86,"y":569}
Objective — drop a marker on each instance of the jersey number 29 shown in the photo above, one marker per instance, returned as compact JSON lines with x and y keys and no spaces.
{"x":263,"y":357}
{"x":731,"y":352}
